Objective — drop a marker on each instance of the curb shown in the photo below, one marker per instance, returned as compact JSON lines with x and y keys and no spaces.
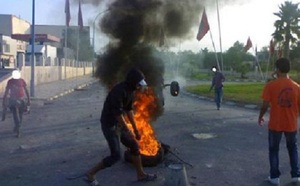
{"x":231,"y":103}
{"x":77,"y":88}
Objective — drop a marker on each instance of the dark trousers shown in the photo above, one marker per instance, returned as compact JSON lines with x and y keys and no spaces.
{"x":17,"y":107}
{"x":113,"y":136}
{"x":291,"y":144}
{"x":218,"y":96}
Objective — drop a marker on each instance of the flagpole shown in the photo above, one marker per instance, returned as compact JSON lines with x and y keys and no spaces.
{"x":77,"y":53}
{"x":203,"y":29}
{"x":269,"y":60}
{"x":256,"y":59}
{"x":80,"y":27}
{"x":271,"y":55}
{"x":66,"y":50}
{"x":220,"y":37}
{"x":214,"y":49}
{"x":68,"y":18}
{"x":32,"y":80}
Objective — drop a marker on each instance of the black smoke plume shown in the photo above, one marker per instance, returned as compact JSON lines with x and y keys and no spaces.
{"x":134,"y":28}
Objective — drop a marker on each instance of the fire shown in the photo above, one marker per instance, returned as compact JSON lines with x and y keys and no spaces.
{"x":145,"y":104}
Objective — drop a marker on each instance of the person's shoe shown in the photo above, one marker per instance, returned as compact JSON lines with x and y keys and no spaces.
{"x":296,"y":179}
{"x":274,"y":181}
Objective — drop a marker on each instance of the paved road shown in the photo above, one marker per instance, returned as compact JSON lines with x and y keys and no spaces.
{"x":62,"y":138}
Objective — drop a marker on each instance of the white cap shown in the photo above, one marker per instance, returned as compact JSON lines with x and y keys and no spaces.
{"x":143,"y":83}
{"x":214,"y":69}
{"x":16,"y":74}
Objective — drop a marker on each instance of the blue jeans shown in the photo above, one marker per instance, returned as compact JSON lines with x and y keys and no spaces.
{"x":291,"y":144}
{"x":218,"y":96}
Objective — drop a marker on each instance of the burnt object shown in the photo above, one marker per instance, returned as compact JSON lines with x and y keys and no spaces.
{"x":150,"y":161}
{"x":174,"y":88}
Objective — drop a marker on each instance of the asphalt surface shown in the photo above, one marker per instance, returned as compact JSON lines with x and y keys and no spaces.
{"x":61,"y":138}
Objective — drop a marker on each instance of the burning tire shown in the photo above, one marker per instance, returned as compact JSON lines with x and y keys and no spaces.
{"x":147,"y":161}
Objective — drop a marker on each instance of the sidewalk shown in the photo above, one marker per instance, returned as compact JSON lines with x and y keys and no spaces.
{"x":53,"y":90}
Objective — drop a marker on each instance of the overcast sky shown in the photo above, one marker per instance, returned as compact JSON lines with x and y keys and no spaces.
{"x":252,"y":18}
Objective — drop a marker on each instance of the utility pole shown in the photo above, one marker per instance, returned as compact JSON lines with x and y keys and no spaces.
{"x":32,"y":50}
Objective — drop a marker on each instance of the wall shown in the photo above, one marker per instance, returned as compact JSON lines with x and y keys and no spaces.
{"x":46,"y":74}
{"x":11,"y":24}
{"x":20,"y":26}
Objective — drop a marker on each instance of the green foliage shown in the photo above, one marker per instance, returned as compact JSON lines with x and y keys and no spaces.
{"x":85,"y":50}
{"x":241,"y":92}
{"x":287,"y":26}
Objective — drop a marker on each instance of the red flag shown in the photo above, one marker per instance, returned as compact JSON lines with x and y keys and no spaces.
{"x":272,"y":47}
{"x":67,"y":11}
{"x":80,"y":21}
{"x":248,"y":45}
{"x":203,"y":27}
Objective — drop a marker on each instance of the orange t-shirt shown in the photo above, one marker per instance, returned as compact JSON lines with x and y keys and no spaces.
{"x":283,"y":95}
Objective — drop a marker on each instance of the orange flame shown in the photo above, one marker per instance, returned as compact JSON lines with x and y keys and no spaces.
{"x":145,"y":104}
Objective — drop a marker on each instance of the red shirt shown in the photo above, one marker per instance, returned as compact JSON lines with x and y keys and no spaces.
{"x":17,"y":88}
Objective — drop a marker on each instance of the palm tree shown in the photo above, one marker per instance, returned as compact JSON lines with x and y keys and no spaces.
{"x":287,"y":29}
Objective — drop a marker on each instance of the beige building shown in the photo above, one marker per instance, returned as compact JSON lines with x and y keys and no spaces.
{"x":11,"y":24}
{"x":15,"y":37}
{"x":11,"y":49}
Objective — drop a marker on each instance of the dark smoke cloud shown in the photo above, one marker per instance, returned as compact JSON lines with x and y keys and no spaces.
{"x":92,"y":2}
{"x":135,"y":25}
{"x":134,"y":28}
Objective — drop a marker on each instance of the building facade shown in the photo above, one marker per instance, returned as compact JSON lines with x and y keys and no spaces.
{"x":15,"y":39}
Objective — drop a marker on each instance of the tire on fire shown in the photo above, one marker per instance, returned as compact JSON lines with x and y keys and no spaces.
{"x":147,"y":161}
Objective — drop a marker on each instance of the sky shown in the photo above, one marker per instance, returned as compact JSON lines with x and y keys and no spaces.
{"x":238,"y":21}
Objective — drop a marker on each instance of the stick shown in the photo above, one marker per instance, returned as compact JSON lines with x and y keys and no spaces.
{"x":75,"y":176}
{"x":180,"y":158}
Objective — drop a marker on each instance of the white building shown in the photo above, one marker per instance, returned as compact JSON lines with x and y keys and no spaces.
{"x":15,"y":37}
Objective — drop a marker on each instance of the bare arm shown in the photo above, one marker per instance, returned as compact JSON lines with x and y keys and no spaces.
{"x":122,"y":122}
{"x":4,"y":103}
{"x":130,"y":115}
{"x":27,"y":95}
{"x":262,"y":112}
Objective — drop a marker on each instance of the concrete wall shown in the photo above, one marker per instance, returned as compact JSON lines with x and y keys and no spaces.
{"x":46,"y":74}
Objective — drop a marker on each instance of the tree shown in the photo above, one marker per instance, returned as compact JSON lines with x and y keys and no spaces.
{"x":85,"y":50}
{"x":287,"y":30}
{"x":236,"y":58}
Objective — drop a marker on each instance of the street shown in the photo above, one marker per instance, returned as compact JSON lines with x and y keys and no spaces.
{"x":63,"y":138}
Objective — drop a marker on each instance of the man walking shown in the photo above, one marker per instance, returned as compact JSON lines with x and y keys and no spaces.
{"x":217,"y":84}
{"x":118,"y":106}
{"x":282,"y":95}
{"x":16,"y":97}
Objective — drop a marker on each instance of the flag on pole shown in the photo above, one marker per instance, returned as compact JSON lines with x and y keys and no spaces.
{"x":248,"y":44}
{"x":203,"y":27}
{"x":80,"y":21}
{"x":67,"y":11}
{"x":272,"y":47}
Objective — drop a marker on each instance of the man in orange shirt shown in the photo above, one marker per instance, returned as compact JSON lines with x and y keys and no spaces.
{"x":283,"y":97}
